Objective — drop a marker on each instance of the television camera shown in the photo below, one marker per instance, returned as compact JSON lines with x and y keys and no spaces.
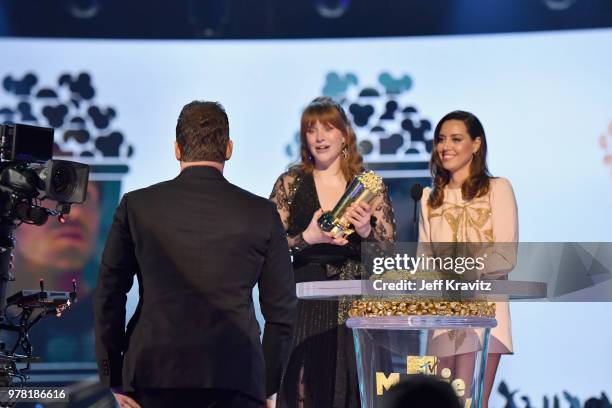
{"x":28,"y":176}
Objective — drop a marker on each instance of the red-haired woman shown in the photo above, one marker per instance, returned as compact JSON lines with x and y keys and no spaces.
{"x":322,"y":370}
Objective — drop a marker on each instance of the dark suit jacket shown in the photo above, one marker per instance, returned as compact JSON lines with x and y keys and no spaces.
{"x":198,"y":245}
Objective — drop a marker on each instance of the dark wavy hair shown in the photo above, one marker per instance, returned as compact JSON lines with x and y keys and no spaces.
{"x":478,"y":182}
{"x":327,"y":111}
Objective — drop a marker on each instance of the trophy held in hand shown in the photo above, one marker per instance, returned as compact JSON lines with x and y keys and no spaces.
{"x":365,"y":187}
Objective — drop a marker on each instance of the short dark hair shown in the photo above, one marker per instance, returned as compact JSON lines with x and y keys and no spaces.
{"x":202,"y":132}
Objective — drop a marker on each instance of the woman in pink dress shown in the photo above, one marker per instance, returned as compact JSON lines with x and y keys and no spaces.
{"x":467,"y":204}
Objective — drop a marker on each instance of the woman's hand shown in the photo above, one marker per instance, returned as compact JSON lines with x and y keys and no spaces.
{"x":359,"y":214}
{"x":313,"y":234}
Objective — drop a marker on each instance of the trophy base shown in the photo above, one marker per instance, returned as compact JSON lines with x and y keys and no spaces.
{"x":340,"y":231}
{"x":336,"y":227}
{"x":326,"y":221}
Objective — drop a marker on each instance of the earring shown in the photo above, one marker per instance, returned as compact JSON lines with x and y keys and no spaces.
{"x":310,"y":157}
{"x":345,"y":152}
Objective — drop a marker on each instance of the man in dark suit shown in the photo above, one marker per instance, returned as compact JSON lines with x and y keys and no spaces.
{"x":198,"y":245}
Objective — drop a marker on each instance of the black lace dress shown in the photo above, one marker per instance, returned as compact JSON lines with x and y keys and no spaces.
{"x":322,"y":370}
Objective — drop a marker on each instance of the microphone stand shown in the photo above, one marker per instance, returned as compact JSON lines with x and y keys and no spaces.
{"x":416,"y":192}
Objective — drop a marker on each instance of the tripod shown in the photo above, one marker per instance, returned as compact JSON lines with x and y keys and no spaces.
{"x":29,"y":301}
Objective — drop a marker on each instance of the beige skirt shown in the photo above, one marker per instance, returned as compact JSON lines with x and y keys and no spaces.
{"x":444,"y":343}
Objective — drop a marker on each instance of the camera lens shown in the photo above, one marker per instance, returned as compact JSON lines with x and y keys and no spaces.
{"x":63,"y":180}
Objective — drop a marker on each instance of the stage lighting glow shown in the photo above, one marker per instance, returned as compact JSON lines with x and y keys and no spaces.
{"x":332,"y":8}
{"x":559,"y":5}
{"x":84,"y":9}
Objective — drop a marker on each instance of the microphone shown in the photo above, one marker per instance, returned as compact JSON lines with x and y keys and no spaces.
{"x":416,"y":192}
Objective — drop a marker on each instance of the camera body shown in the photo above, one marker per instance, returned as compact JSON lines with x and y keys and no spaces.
{"x":25,"y":143}
{"x":27,"y":170}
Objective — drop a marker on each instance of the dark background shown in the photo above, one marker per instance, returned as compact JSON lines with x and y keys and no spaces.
{"x":257,"y":19}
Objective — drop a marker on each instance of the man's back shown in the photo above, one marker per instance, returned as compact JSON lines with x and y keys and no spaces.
{"x":198,"y":245}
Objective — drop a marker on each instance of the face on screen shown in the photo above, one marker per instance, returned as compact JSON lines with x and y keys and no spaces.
{"x":55,"y":246}
{"x":325,"y":142}
{"x":454,"y":146}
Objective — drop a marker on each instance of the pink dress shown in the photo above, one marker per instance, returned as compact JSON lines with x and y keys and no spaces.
{"x":491,"y":218}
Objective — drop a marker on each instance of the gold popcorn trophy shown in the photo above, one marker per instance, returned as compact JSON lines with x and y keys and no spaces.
{"x":365,"y":187}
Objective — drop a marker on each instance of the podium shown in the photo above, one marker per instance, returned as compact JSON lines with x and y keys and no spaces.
{"x":389,"y":348}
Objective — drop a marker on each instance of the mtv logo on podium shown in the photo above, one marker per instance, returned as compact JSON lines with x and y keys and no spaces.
{"x":421,"y":365}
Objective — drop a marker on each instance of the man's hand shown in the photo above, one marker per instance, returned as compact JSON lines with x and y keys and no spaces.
{"x":124,"y":401}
